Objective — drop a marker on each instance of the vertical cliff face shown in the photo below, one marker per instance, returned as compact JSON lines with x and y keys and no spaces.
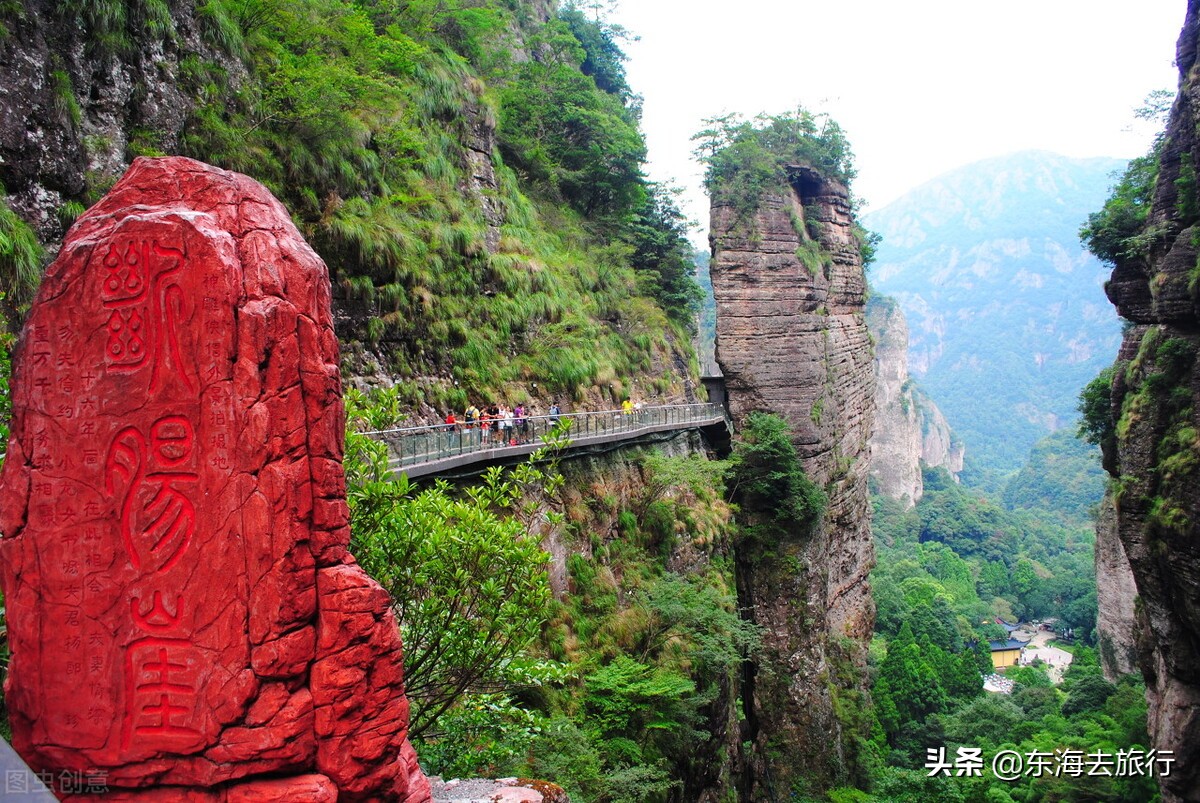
{"x":1116,"y":617}
{"x":792,"y":340}
{"x":79,"y":96}
{"x":1156,"y":417}
{"x":909,"y":428}
{"x":939,"y":446}
{"x":896,"y":441}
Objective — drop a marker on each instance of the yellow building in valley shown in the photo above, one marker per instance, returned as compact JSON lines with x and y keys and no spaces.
{"x":1006,"y":653}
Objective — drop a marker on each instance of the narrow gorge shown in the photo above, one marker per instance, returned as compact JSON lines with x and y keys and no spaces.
{"x":792,"y":600}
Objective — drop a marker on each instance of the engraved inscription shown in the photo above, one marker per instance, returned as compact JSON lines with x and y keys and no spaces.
{"x":161,"y":686}
{"x":146,"y":308}
{"x":158,"y":518}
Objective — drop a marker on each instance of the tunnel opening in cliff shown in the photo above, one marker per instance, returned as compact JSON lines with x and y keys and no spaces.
{"x":806,"y":182}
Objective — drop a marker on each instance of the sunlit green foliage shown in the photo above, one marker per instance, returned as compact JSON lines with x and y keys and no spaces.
{"x":7,"y":341}
{"x":1118,"y":233}
{"x":612,"y":701}
{"x":1026,"y":563}
{"x":116,"y":26}
{"x":768,"y":482}
{"x":663,"y":256}
{"x":1063,"y":476}
{"x":656,"y":648}
{"x":746,"y":158}
{"x":20,"y":260}
{"x":559,"y":130}
{"x":467,"y":577}
{"x":1157,"y":406}
{"x":361,"y":115}
{"x":603,"y":59}
{"x":1096,"y":424}
{"x":907,"y":692}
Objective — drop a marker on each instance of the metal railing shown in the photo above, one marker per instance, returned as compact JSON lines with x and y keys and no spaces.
{"x":411,"y":446}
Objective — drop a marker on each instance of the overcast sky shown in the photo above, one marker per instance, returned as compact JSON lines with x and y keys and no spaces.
{"x":920,"y":87}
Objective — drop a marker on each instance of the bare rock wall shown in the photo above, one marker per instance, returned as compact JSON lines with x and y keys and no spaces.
{"x":792,"y":340}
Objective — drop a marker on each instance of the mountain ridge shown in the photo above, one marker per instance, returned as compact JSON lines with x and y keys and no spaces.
{"x":986,"y":263}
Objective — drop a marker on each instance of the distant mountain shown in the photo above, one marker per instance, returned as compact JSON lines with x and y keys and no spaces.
{"x":1006,"y":311}
{"x":706,"y":320}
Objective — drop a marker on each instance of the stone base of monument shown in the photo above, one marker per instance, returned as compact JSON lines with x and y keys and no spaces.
{"x":501,"y":790}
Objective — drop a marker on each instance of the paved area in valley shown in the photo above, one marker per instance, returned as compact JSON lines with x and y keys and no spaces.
{"x":1055,"y":659}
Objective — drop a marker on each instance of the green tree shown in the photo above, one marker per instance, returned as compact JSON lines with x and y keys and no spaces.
{"x":1029,"y":676}
{"x":963,"y":681}
{"x":561,"y":131}
{"x":909,"y":689}
{"x":934,"y":624}
{"x":767,"y":479}
{"x":466,"y":574}
{"x":982,"y":654}
{"x":1089,"y":693}
{"x":603,"y":58}
{"x":986,"y":721}
{"x":663,"y":256}
{"x":745,"y":158}
{"x":1117,"y":232}
{"x":1096,"y":424}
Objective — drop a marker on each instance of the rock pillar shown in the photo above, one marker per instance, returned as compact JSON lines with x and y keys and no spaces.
{"x":792,"y":340}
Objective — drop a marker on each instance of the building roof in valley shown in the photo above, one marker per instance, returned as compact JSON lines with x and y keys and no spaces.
{"x":1011,"y":644}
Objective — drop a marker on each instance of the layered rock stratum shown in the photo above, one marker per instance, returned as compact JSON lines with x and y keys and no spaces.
{"x":1116,"y":590}
{"x":183,"y":613}
{"x":792,"y":339}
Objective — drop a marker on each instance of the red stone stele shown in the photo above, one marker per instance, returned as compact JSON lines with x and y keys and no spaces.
{"x":186,"y":622}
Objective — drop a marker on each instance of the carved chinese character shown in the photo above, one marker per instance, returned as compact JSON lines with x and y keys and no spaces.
{"x":147,"y":309}
{"x":157,"y":518}
{"x":160,"y":691}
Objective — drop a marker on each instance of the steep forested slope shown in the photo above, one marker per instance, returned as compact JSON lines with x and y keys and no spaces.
{"x":471,"y":171}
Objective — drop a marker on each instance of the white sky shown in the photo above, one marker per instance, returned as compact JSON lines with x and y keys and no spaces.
{"x":920,"y":86}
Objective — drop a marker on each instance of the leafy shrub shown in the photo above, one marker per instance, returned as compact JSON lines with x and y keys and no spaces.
{"x":746,"y":158}
{"x":767,"y":480}
{"x":20,"y":258}
{"x":1117,"y":232}
{"x":467,"y":576}
{"x":1096,"y":425}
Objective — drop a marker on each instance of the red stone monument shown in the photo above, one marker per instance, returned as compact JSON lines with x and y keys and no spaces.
{"x":186,"y":622}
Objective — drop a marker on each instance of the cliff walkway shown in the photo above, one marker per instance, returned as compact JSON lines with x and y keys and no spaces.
{"x":438,"y":449}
